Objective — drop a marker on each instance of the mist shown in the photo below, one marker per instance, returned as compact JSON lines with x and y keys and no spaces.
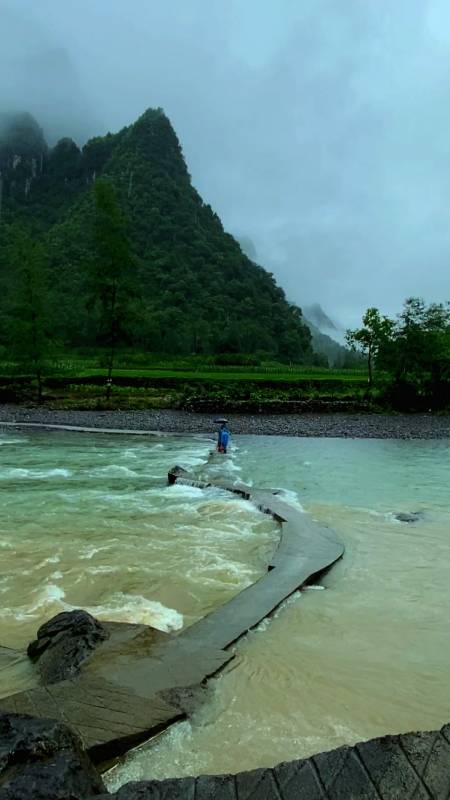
{"x":319,"y":131}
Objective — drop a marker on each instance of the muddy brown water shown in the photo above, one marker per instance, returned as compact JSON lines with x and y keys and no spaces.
{"x":89,"y":521}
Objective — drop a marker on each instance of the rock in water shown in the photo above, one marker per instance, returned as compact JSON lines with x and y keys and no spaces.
{"x":41,"y":759}
{"x":174,"y":473}
{"x":64,"y":642}
{"x":414,"y":516}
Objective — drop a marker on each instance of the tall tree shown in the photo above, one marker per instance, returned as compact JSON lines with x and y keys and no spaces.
{"x":371,"y":337}
{"x":112,"y":272}
{"x":29,"y":323}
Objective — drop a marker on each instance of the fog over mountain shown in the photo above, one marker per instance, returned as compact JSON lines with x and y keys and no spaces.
{"x":320,"y":131}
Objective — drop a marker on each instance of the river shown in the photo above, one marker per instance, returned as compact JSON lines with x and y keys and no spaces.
{"x":87,"y":521}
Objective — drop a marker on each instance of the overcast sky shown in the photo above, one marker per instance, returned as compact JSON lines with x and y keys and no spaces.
{"x":318,"y":128}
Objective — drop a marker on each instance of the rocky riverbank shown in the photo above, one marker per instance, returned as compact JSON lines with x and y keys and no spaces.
{"x":357,"y":426}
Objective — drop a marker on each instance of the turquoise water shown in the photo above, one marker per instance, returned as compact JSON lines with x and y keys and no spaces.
{"x":374,"y":473}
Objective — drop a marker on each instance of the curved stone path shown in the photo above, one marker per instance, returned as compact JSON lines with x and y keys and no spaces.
{"x":306,"y":548}
{"x":120,"y":699}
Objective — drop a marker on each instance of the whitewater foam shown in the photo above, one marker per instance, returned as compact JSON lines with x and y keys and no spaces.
{"x":103,"y":570}
{"x":18,"y":472}
{"x":50,"y":595}
{"x":290,"y":497}
{"x":87,"y":553}
{"x":122,"y":607}
{"x":183,"y":490}
{"x":113,"y":470}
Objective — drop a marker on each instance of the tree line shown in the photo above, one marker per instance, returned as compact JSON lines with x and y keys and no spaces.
{"x":408,"y":358}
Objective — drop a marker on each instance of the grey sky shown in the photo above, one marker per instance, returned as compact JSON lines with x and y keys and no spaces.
{"x":320,"y":129}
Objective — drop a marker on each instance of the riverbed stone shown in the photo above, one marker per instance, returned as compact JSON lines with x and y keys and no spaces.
{"x":41,"y":759}
{"x":63,"y":644}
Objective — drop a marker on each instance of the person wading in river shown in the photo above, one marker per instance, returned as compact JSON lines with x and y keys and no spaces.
{"x":223,"y":438}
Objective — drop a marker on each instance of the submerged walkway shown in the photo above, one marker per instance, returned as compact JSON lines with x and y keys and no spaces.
{"x":132,"y":686}
{"x":80,"y":428}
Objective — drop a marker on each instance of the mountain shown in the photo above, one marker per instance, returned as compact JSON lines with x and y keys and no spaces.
{"x":336,"y":354}
{"x":321,"y":320}
{"x":196,"y":290}
{"x":325,"y":336}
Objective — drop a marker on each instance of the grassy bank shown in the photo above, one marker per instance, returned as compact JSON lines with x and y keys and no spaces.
{"x":193,"y":384}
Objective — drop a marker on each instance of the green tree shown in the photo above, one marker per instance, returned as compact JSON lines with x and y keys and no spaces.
{"x":412,"y":353}
{"x":29,"y":324}
{"x":371,"y":338}
{"x":422,"y":339}
{"x":112,"y":273}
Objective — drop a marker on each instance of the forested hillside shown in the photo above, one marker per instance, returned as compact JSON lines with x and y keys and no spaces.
{"x":188,"y":287}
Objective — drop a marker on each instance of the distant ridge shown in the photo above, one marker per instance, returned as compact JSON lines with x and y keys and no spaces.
{"x":324,"y":337}
{"x":319,"y":318}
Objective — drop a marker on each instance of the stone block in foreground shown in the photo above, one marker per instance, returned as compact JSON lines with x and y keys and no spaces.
{"x":412,"y":766}
{"x":41,"y":759}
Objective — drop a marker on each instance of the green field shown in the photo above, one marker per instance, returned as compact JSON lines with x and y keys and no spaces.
{"x":135,"y":366}
{"x":233,"y":374}
{"x":80,"y":382}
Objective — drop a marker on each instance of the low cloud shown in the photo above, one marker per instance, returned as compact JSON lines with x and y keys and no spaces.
{"x":319,"y":130}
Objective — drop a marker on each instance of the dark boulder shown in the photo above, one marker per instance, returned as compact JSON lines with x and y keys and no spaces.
{"x":63,"y":644}
{"x":174,"y":473}
{"x":414,"y":516}
{"x":41,"y":759}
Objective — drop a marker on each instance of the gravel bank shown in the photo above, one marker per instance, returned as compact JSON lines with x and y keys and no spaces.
{"x":358,"y":426}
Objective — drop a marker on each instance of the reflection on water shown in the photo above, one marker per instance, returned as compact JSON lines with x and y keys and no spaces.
{"x":368,"y":655}
{"x":89,"y":521}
